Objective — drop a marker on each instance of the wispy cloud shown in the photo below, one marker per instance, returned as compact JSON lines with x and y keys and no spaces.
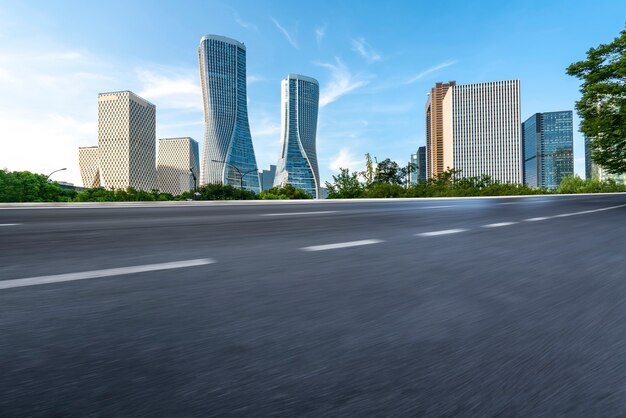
{"x":284,"y":31}
{"x":430,"y":71}
{"x":361,"y":47}
{"x":171,"y":88}
{"x":243,"y":23}
{"x":320,"y":32}
{"x":251,"y":78}
{"x":345,"y":159}
{"x":342,"y":81}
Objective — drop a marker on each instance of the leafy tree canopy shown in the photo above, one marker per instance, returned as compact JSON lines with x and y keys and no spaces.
{"x":602,"y":107}
{"x":287,"y":191}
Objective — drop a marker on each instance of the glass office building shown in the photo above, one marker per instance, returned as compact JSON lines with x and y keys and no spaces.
{"x":228,"y":154}
{"x":418,"y":171}
{"x":548,"y":144}
{"x":297,"y":164}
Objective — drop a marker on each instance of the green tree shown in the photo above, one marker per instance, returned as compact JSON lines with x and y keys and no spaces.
{"x":219,"y":192}
{"x":602,"y":107}
{"x":345,"y":185}
{"x":368,"y":174}
{"x":389,"y":172}
{"x":287,"y":191}
{"x":24,"y":186}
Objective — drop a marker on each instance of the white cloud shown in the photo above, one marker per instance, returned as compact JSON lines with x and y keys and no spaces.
{"x":171,"y":88}
{"x":430,"y":71}
{"x":48,"y":108}
{"x":346,"y":159}
{"x":251,"y":78}
{"x":342,"y":82}
{"x":320,"y":32}
{"x":361,"y":47}
{"x":290,"y":38}
{"x":244,"y":24}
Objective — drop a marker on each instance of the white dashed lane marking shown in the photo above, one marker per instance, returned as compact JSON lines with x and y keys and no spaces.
{"x":499,"y":224}
{"x":443,"y":232}
{"x":94,"y":274}
{"x":9,"y":224}
{"x":342,"y":245}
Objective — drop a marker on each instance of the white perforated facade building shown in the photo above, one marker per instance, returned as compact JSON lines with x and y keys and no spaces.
{"x":176,"y":157}
{"x":126,"y":141}
{"x":89,"y":163}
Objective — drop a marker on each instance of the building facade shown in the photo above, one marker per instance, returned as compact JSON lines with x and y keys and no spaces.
{"x":548,"y":146}
{"x":476,"y":130}
{"x":177,"y":159}
{"x":434,"y":129}
{"x":126,"y":141}
{"x":89,"y":163}
{"x":266,"y":177}
{"x":588,"y":162}
{"x":297,"y":164}
{"x":418,"y":162}
{"x":228,"y":154}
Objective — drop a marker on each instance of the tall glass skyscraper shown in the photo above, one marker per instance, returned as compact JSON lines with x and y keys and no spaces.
{"x":418,"y":172}
{"x":228,"y":153}
{"x":548,"y":144}
{"x":297,"y":164}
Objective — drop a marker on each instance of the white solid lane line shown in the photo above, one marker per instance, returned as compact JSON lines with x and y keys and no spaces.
{"x":9,"y":224}
{"x":342,"y":245}
{"x":443,"y":232}
{"x":83,"y":275}
{"x":541,"y":218}
{"x":298,"y":213}
{"x":499,"y":224}
{"x":437,"y":207}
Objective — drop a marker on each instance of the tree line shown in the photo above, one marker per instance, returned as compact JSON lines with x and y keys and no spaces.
{"x":24,"y":186}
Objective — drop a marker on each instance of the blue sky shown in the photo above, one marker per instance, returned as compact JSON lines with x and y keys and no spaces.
{"x":375,"y":62}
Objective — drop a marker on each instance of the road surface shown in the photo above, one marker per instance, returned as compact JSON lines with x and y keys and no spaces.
{"x":440,"y":307}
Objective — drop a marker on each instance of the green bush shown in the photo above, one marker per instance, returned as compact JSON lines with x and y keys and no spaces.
{"x":574,"y":184}
{"x":24,"y":186}
{"x":287,"y":191}
{"x":219,"y":192}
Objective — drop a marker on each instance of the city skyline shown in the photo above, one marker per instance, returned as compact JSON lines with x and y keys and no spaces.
{"x":374,"y":75}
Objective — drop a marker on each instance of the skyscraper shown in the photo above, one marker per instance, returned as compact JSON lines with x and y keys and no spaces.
{"x":89,"y":163}
{"x":176,"y":157}
{"x":418,"y":171}
{"x":266,"y":177}
{"x":297,"y":164}
{"x":228,"y":153}
{"x":548,"y":144}
{"x":434,"y":129}
{"x":126,"y":141}
{"x":421,"y":164}
{"x":475,"y":128}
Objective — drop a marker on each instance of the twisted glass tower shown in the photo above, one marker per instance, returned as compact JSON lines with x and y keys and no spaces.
{"x":228,"y":155}
{"x":297,"y":164}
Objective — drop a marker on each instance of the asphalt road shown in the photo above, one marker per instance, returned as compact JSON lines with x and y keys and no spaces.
{"x":467,"y":307}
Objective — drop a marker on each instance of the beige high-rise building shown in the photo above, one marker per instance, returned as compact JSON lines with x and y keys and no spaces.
{"x":477,"y":131}
{"x":127,"y":141}
{"x":177,"y":163}
{"x":89,"y":163}
{"x":434,"y":129}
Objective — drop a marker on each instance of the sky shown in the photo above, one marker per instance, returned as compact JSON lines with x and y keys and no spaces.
{"x":375,"y":62}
